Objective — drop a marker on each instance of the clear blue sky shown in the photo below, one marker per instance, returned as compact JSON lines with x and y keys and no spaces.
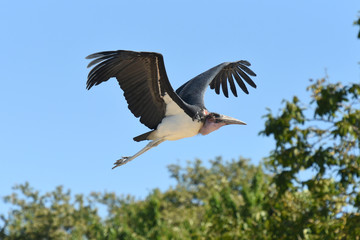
{"x":54,"y":132}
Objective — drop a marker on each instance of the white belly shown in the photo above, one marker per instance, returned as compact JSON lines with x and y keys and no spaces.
{"x":176,"y":124}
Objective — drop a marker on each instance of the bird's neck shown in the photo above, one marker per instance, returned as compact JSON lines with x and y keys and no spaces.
{"x":200,"y":115}
{"x":209,"y":127}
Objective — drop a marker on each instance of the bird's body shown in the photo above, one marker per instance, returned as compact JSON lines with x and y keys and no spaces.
{"x":172,"y":115}
{"x":177,"y":126}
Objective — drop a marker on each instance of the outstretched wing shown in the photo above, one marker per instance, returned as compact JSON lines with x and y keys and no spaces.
{"x":142,"y":77}
{"x":217,"y":77}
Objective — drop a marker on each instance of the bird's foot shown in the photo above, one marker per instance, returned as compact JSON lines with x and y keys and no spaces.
{"x":121,"y":161}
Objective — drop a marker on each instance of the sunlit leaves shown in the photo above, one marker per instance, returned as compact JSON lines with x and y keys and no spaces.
{"x":228,"y":200}
{"x":324,"y":139}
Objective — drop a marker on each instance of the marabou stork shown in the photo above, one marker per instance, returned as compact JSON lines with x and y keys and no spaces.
{"x":171,"y":115}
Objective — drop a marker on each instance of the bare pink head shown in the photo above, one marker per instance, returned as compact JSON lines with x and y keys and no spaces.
{"x":214,"y":121}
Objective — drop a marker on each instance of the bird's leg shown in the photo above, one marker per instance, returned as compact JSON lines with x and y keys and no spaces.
{"x":150,"y":145}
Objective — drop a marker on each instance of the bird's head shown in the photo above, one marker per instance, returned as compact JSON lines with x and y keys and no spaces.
{"x":213,"y":121}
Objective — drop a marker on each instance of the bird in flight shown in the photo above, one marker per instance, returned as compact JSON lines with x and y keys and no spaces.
{"x":171,"y":115}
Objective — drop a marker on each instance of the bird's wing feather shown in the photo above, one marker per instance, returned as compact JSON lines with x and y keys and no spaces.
{"x":142,"y":77}
{"x":192,"y":92}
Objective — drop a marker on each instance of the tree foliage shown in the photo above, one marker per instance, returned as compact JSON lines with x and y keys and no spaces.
{"x":225,"y":201}
{"x":357,"y":22}
{"x":322,"y":139}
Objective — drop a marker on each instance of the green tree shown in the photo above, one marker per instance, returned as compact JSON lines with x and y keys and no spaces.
{"x":357,"y":22}
{"x":225,"y":201}
{"x":321,"y":137}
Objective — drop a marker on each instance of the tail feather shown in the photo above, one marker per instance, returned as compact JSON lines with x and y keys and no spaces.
{"x":143,"y":136}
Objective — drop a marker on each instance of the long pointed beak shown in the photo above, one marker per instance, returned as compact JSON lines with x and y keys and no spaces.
{"x":229,"y":120}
